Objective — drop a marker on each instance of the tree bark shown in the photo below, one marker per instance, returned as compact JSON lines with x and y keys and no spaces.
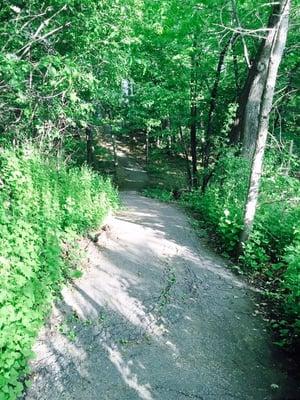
{"x":113,"y":138}
{"x":186,"y":156}
{"x":194,"y":144}
{"x":147,"y":146}
{"x":193,"y":123}
{"x":275,"y":44}
{"x":246,"y":126}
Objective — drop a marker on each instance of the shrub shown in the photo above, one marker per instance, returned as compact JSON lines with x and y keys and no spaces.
{"x":159,"y":194}
{"x":292,"y":279}
{"x":41,"y":205}
{"x":221,"y":206}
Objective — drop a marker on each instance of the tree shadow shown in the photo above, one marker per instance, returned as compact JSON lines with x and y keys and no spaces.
{"x":156,"y":316}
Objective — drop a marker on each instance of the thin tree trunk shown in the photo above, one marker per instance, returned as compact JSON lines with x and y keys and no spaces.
{"x":89,"y":146}
{"x":212,"y":109}
{"x":194,"y":143}
{"x":288,"y":167}
{"x":193,"y":124}
{"x":113,"y":139}
{"x":147,"y":146}
{"x":186,"y":156}
{"x":213,"y":99}
{"x":276,"y":42}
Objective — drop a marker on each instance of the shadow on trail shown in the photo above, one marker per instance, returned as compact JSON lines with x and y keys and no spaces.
{"x":130,"y":175}
{"x":156,"y":317}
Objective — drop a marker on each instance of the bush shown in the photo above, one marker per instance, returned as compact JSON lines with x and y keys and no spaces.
{"x":292,"y":279}
{"x":42,"y":205}
{"x":158,"y":194}
{"x":221,"y":207}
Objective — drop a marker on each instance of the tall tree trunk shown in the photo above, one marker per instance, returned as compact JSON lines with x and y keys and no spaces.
{"x":167,"y":135}
{"x":270,"y":58}
{"x":113,"y":138}
{"x":193,"y":123}
{"x":186,"y":156}
{"x":194,"y":143}
{"x":245,"y":129}
{"x":147,"y":146}
{"x":212,"y":108}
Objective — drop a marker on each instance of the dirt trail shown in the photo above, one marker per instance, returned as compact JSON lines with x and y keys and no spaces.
{"x":156,"y":316}
{"x":130,"y":175}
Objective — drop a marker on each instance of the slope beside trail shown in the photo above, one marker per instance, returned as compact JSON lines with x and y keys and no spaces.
{"x":156,"y":316}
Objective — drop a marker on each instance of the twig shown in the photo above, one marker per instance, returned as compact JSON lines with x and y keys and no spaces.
{"x":246,"y":32}
{"x":28,"y":46}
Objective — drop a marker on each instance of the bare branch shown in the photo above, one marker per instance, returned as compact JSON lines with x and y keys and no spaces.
{"x":246,"y":32}
{"x":237,"y":19}
{"x":28,"y":46}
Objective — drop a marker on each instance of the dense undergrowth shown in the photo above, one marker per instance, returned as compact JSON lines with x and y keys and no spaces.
{"x":272,"y":255}
{"x":43,"y":206}
{"x":166,"y":172}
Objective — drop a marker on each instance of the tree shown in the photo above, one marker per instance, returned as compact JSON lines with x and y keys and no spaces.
{"x":245,"y":129}
{"x":212,"y":109}
{"x":194,"y":111}
{"x":260,"y":100}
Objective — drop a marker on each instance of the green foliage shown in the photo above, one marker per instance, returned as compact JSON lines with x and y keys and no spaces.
{"x":222,"y":204}
{"x":63,"y":64}
{"x":166,"y":171}
{"x":292,"y":278}
{"x":42,"y":208}
{"x":159,"y":194}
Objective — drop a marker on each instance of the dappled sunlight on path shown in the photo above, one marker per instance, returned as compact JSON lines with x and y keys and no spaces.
{"x":129,"y":378}
{"x":156,"y":316}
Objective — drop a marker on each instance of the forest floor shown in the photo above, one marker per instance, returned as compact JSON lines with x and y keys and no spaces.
{"x":155,"y":316}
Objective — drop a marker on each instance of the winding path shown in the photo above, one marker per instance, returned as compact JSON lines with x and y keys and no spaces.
{"x":156,"y":316}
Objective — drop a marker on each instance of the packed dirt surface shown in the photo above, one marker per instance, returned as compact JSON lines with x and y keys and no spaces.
{"x":156,"y":316}
{"x":130,"y":175}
